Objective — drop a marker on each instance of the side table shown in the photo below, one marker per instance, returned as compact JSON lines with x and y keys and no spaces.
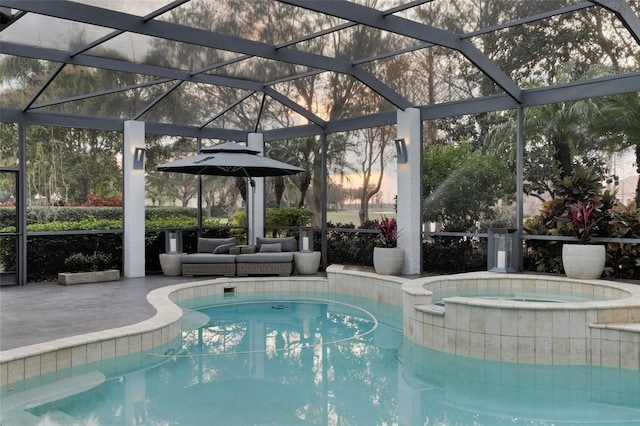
{"x":170,"y":263}
{"x":306,"y":262}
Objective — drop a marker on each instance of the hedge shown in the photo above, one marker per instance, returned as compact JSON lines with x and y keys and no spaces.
{"x":73,"y":214}
{"x":46,"y":254}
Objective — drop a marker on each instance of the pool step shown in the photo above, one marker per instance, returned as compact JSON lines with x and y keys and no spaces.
{"x":20,"y":417}
{"x":431,"y":309}
{"x":619,"y":326}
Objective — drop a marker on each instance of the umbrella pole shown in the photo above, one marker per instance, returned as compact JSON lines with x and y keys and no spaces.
{"x":199,"y":189}
{"x":251,"y":229}
{"x":199,"y":209}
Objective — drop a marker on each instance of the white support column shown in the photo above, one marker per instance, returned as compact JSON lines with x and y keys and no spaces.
{"x":255,"y":202}
{"x":410,"y":191}
{"x":134,"y":195}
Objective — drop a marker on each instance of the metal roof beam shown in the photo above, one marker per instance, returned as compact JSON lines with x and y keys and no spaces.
{"x":583,"y":89}
{"x":44,"y":86}
{"x":157,"y":100}
{"x":405,"y":27}
{"x":166,"y":30}
{"x":226,"y":109}
{"x":624,"y":13}
{"x":295,"y":107}
{"x":97,"y":94}
{"x":528,"y":19}
{"x":605,"y":86}
{"x":124,"y":66}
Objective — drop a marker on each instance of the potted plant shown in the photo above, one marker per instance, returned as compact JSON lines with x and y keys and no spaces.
{"x":387,"y":257}
{"x":583,"y":260}
{"x":84,"y":268}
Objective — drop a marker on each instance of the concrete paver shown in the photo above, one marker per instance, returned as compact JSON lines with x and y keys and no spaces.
{"x":37,"y":313}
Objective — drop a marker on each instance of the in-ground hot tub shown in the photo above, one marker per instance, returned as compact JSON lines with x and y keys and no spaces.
{"x":527,"y":318}
{"x":521,"y":289}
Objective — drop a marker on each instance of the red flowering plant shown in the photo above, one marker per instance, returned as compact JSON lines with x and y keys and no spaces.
{"x":388,"y":232}
{"x":583,"y":220}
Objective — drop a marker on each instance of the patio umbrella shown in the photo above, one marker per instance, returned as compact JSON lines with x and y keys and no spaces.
{"x":231,"y":159}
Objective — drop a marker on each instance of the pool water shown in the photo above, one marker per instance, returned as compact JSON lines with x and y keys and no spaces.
{"x":334,"y":362}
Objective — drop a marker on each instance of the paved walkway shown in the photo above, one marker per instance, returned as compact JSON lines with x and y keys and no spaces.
{"x":37,"y":313}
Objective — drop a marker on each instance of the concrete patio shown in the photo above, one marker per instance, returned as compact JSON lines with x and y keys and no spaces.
{"x":37,"y":313}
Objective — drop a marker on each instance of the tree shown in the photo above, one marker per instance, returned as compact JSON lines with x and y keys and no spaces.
{"x":560,"y":132}
{"x":618,"y":120}
{"x":461,"y":186}
{"x":372,"y":160}
{"x":298,"y":152}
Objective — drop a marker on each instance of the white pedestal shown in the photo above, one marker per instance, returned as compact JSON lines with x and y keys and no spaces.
{"x":306,"y":263}
{"x":170,"y":264}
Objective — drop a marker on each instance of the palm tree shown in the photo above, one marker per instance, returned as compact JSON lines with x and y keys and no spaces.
{"x":619,"y":118}
{"x":561,"y":132}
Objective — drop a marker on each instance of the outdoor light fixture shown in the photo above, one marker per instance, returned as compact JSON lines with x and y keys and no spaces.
{"x":401,"y":151}
{"x":305,"y":239}
{"x":173,"y":241}
{"x":500,"y":253}
{"x":138,"y":159}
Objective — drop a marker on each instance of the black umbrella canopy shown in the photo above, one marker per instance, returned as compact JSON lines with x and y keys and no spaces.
{"x":230,"y":159}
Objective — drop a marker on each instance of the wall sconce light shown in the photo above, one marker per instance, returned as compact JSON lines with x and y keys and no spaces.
{"x":500,"y":254}
{"x":401,"y":151}
{"x":138,"y":159}
{"x":173,"y":241}
{"x":305,"y":239}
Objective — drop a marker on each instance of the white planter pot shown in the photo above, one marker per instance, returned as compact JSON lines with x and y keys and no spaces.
{"x":170,"y":264}
{"x":388,"y":261}
{"x":583,"y":261}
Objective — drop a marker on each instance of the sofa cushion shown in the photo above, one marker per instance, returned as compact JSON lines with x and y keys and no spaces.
{"x":223,"y":248}
{"x":282,"y":257}
{"x":208,"y":258}
{"x":208,"y":245}
{"x":288,"y":243}
{"x":271,"y":248}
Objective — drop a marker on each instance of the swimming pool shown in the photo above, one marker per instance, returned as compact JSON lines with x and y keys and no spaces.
{"x":317,"y":358}
{"x":370,"y":367}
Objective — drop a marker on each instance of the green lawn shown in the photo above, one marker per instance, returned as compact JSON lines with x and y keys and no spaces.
{"x":346,"y":216}
{"x":351,"y":216}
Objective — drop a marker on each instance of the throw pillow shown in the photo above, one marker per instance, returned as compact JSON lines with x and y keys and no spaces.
{"x":288,"y":243}
{"x":208,"y":245}
{"x":271,"y":248}
{"x":223,"y":248}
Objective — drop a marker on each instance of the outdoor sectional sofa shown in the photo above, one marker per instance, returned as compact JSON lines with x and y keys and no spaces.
{"x":223,"y":256}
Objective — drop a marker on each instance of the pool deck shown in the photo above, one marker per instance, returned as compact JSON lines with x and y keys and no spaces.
{"x":37,"y":313}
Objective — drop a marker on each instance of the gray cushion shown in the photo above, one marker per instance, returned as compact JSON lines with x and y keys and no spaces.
{"x":288,"y":243}
{"x":271,"y":248}
{"x":208,"y":245}
{"x":208,"y":258}
{"x":282,"y":257}
{"x":223,"y":248}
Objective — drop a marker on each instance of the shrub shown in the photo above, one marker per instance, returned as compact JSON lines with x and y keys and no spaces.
{"x":454,"y":254}
{"x":351,"y":248}
{"x":608,"y":218}
{"x":625,"y":258}
{"x":81,"y":262}
{"x":274,"y":217}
